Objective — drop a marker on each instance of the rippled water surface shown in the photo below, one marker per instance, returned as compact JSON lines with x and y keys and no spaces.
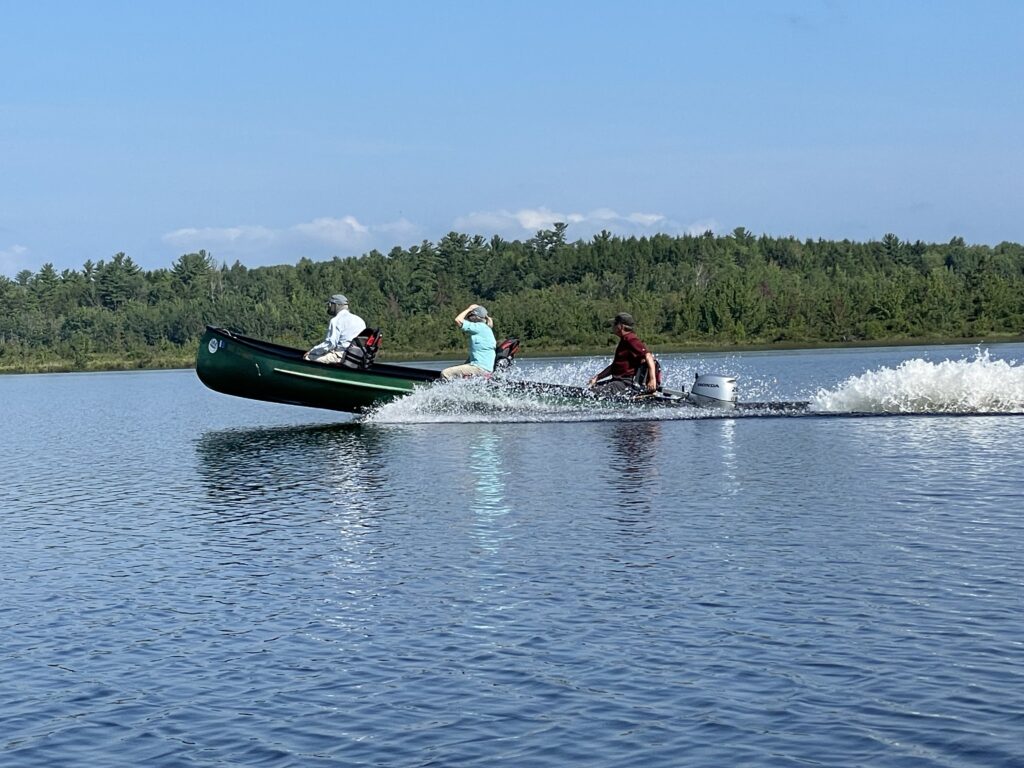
{"x":194,"y":580}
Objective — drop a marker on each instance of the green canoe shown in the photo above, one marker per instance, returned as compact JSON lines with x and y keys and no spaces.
{"x":237,"y":365}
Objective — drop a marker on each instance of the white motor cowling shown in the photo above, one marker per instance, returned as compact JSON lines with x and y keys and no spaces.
{"x":714,"y":390}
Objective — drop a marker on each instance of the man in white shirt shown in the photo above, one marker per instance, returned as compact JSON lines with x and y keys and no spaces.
{"x":343,"y":327}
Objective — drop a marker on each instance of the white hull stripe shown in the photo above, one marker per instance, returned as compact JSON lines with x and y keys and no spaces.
{"x":345,"y":383}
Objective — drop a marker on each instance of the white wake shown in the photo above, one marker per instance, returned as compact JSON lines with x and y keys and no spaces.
{"x":977,"y":385}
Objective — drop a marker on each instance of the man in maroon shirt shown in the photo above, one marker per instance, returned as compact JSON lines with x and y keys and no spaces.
{"x":629,"y":355}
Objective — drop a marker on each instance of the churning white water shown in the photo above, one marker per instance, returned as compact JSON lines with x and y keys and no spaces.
{"x":978,"y":385}
{"x":975,"y":383}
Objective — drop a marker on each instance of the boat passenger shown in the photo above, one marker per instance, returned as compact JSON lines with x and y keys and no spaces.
{"x":476,"y":324}
{"x":342,"y":328}
{"x":617,"y":377}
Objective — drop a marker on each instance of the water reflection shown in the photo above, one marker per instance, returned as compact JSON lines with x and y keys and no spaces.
{"x":938,"y":433}
{"x":636,"y":443}
{"x":253,"y":471}
{"x":729,"y":463}
{"x":489,"y":499}
{"x":485,"y":463}
{"x":635,"y":466}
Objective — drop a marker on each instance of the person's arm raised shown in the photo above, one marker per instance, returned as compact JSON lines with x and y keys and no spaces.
{"x":459,"y":318}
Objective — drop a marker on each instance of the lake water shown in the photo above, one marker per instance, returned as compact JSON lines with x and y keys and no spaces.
{"x":190,"y":579}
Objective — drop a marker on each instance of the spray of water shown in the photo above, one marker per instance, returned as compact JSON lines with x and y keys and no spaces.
{"x":977,"y":385}
{"x":477,"y":400}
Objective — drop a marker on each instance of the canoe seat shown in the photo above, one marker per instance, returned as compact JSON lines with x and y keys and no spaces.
{"x":363,"y":349}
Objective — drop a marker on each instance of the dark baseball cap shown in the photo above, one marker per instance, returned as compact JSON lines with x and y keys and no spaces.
{"x":623,"y":318}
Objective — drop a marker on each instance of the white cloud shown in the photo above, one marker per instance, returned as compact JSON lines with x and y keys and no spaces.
{"x":701,"y":226}
{"x":525,"y":222}
{"x":317,"y":239}
{"x":13,"y":260}
{"x":401,"y":228}
{"x":328,"y":236}
{"x":646,"y":219}
{"x":344,"y":232}
{"x":205,"y":237}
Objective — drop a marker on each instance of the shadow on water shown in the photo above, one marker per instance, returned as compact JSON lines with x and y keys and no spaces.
{"x":253,"y":473}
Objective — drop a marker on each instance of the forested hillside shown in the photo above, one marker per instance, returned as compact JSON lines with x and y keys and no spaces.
{"x":553,"y":294}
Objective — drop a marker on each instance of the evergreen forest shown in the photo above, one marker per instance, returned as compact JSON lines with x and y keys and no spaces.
{"x":692,"y":291}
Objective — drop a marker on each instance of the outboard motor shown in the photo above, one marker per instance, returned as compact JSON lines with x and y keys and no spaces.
{"x":713,"y":390}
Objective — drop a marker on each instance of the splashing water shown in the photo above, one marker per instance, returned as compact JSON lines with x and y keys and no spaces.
{"x":978,"y":385}
{"x":461,"y":400}
{"x":477,"y":400}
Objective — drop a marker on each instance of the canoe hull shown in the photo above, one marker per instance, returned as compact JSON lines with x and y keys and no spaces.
{"x":237,"y":365}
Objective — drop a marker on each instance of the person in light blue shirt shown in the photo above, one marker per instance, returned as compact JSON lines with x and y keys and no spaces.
{"x":476,"y":324}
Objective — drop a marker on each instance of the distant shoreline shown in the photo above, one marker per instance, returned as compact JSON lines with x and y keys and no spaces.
{"x":106,"y":363}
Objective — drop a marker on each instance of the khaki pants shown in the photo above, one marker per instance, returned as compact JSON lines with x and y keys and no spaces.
{"x":327,"y":357}
{"x":463,"y":370}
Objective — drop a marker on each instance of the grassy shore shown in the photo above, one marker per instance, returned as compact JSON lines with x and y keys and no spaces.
{"x":96,"y":363}
{"x":186,"y":359}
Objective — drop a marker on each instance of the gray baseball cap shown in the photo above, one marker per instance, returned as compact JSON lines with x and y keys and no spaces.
{"x":339,"y":299}
{"x":478,"y":312}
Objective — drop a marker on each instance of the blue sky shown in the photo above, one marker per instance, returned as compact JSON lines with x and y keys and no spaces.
{"x":270,"y":131}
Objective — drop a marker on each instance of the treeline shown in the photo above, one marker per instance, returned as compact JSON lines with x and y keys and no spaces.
{"x":554,"y":294}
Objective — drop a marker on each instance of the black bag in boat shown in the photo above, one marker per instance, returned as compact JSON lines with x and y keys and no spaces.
{"x":363,"y":349}
{"x":640,"y":378}
{"x":505,"y":353}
